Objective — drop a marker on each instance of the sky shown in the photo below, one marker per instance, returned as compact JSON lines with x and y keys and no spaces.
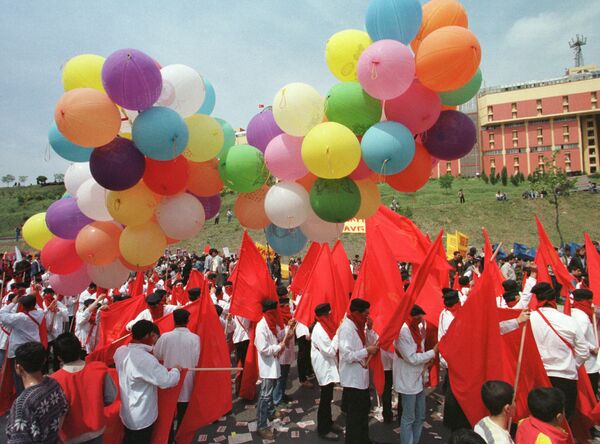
{"x":248,"y":49}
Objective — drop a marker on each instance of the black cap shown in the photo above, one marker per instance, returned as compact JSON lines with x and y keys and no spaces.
{"x":417,"y":311}
{"x":194,"y":292}
{"x":28,"y":301}
{"x":582,"y":294}
{"x":153,"y":299}
{"x":268,"y":304}
{"x":161,"y":292}
{"x":181,"y":316}
{"x":544,"y":291}
{"x":228,"y":284}
{"x":450,"y":296}
{"x":21,"y":285}
{"x":510,"y":285}
{"x":48,"y":290}
{"x":463,"y":280}
{"x":359,"y":305}
{"x":283,"y":301}
{"x":281,"y":291}
{"x":322,"y":309}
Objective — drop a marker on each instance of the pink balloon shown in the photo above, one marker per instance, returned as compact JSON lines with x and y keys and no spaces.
{"x":72,"y":283}
{"x":283,"y":157}
{"x":362,"y":171}
{"x":386,"y":69}
{"x":418,"y":108}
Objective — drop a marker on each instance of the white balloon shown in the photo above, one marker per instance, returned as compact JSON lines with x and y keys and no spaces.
{"x":75,"y":175}
{"x":91,"y":200}
{"x":287,"y":204}
{"x":112,"y":275}
{"x":183,"y":89}
{"x":181,"y":216}
{"x":317,"y":230}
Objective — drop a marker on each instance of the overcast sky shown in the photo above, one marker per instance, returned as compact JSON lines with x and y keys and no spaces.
{"x":248,"y":49}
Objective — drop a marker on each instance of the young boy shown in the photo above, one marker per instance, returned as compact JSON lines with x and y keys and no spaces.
{"x":547,"y":407}
{"x":497,"y":397}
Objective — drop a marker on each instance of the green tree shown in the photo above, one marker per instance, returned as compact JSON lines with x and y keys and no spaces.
{"x":504,"y":176}
{"x":8,"y":179}
{"x":493,"y":176}
{"x":22,"y":180}
{"x":41,"y":180}
{"x":515,"y":180}
{"x":59,"y":177}
{"x":446,"y":182}
{"x":484,"y":177}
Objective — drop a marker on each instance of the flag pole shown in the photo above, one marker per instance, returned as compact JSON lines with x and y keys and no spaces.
{"x":594,"y":321}
{"x":496,"y":252}
{"x":518,"y":374}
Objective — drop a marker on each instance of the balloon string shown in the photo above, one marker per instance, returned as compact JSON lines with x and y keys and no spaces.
{"x":283,"y":101}
{"x":47,"y":153}
{"x":373,"y":70}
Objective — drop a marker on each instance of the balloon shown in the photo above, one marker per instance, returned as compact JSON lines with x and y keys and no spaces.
{"x":388,"y":147}
{"x":349,"y":105}
{"x":112,"y":275}
{"x":452,"y":137}
{"x":36,"y":232}
{"x":160,"y":133}
{"x":132,"y":79}
{"x":262,"y":128}
{"x":463,"y":94}
{"x":415,"y":175}
{"x":166,"y":177}
{"x":210,"y":98}
{"x":87,"y":117}
{"x":448,"y":58}
{"x":180,"y":216}
{"x":228,"y":135}
{"x":283,"y":157}
{"x":307,"y":181}
{"x":370,"y":198}
{"x":284,"y":241}
{"x":335,"y":200}
{"x":205,"y":138}
{"x":91,"y":200}
{"x":64,"y":218}
{"x":343,"y":50}
{"x":204,"y":179}
{"x":287,"y":204}
{"x":98,"y":243}
{"x":297,"y":108}
{"x":437,"y":14}
{"x":65,"y":148}
{"x":394,"y":19}
{"x":362,"y":171}
{"x":317,"y":230}
{"x":386,"y":69}
{"x":75,"y":175}
{"x":245,"y":169}
{"x":140,"y":268}
{"x":249,"y":209}
{"x":331,"y":151}
{"x":417,"y":109}
{"x":183,"y":89}
{"x":83,"y":71}
{"x":118,"y":165}
{"x":211,"y":205}
{"x":71,"y":284}
{"x":134,"y":206}
{"x":59,"y":256}
{"x":142,"y":245}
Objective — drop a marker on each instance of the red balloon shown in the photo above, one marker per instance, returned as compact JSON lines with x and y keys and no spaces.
{"x":60,"y":257}
{"x":166,"y":177}
{"x":415,"y":175}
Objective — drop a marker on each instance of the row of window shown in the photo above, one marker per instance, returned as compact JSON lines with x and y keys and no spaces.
{"x":541,"y":160}
{"x":540,"y":137}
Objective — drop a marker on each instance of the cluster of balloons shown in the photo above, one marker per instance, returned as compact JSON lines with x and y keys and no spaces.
{"x":145,"y":171}
{"x":390,"y":119}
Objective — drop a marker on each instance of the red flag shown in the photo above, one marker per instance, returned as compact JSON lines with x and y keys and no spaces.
{"x":593,"y":266}
{"x":7,"y":387}
{"x":455,"y":284}
{"x":179,"y":295}
{"x":429,"y":297}
{"x":495,"y":272}
{"x":342,"y":266}
{"x":114,"y":320}
{"x":114,"y":426}
{"x":167,"y":407}
{"x":250,"y":373}
{"x":137,"y":287}
{"x":196,"y":280}
{"x":542,"y":267}
{"x":562,"y":275}
{"x":299,"y":282}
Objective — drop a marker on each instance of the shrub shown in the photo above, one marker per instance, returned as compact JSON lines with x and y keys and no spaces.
{"x":504,"y":176}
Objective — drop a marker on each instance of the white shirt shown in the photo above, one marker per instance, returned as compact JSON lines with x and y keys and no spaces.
{"x":592,"y":365}
{"x":323,"y":356}
{"x":23,"y":328}
{"x":463,"y":294}
{"x":492,"y":433}
{"x":267,"y":347}
{"x":240,"y":334}
{"x":446,"y":318}
{"x":83,"y":329}
{"x":225,"y":303}
{"x":557,"y":357}
{"x":302,"y":330}
{"x":288,"y":356}
{"x":409,"y":369}
{"x":140,"y":374}
{"x":71,"y":302}
{"x":55,"y":320}
{"x":180,"y":347}
{"x":145,"y":314}
{"x":508,"y":271}
{"x":353,"y":357}
{"x":84,"y":296}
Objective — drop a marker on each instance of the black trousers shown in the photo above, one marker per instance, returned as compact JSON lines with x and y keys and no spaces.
{"x":181,"y":409}
{"x":569,"y":389}
{"x":357,"y":418}
{"x":324,"y":420}
{"x":241,"y":348}
{"x":386,"y":397}
{"x":53,"y":357}
{"x":304,"y":365}
{"x":138,"y":436}
{"x":454,"y":417}
{"x":594,"y":381}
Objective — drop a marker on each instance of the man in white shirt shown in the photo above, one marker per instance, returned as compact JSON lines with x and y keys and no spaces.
{"x":241,"y":340}
{"x":497,"y":396}
{"x":582,"y":311}
{"x":508,"y":268}
{"x":465,"y":288}
{"x":87,"y":320}
{"x":511,"y":298}
{"x":355,"y":349}
{"x":288,"y":356}
{"x":140,"y":374}
{"x":88,"y":293}
{"x":56,"y":318}
{"x":156,"y":308}
{"x":180,"y":347}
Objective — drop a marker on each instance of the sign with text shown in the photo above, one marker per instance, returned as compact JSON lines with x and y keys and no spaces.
{"x":355,"y":226}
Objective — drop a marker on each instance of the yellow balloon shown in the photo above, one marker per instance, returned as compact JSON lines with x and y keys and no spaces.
{"x":133,"y":206}
{"x":331,"y":151}
{"x":205,"y":138}
{"x":36,"y":232}
{"x":142,"y":245}
{"x":297,"y":108}
{"x":370,"y":198}
{"x":83,"y":71}
{"x":343,"y":50}
{"x":126,"y":136}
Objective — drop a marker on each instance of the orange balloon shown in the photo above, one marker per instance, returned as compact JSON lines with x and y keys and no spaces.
{"x":415,"y":175}
{"x":98,"y":243}
{"x":135,"y":268}
{"x":204,"y":179}
{"x":370,"y":198}
{"x":449,"y":108}
{"x":448,"y":58}
{"x":307,"y":181}
{"x":436,"y":15}
{"x":87,"y":117}
{"x":249,"y":209}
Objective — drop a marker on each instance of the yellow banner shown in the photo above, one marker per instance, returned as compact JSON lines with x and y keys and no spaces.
{"x":456,"y":242}
{"x":355,"y":226}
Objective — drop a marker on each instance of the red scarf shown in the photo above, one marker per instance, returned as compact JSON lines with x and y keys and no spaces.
{"x":549,"y":304}
{"x":360,"y":323}
{"x":157,"y":311}
{"x":271,"y":318}
{"x":454,"y":309}
{"x":586,"y":307}
{"x":286,"y":314}
{"x":328,"y":324}
{"x":416,"y":333}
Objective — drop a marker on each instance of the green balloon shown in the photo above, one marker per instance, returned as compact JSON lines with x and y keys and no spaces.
{"x":243,"y":168}
{"x":347,"y":103}
{"x":335,"y":200}
{"x":464,"y":93}
{"x":222,"y":156}
{"x":229,"y":134}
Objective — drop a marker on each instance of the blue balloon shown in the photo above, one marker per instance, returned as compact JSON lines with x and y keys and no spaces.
{"x":388,"y":147}
{"x":284,"y":241}
{"x":394,"y":19}
{"x":209,"y":99}
{"x":160,"y":133}
{"x":67,"y":149}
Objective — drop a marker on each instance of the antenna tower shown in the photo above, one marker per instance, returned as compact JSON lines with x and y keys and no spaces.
{"x":576,"y":45}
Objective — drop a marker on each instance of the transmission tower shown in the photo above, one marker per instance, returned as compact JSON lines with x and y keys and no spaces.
{"x":576,"y":45}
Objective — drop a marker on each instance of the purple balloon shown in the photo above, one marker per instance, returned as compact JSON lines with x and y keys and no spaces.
{"x":71,"y":284}
{"x":452,"y":137}
{"x":262,"y":128}
{"x":64,"y":219}
{"x":132,"y":79}
{"x":211,"y":204}
{"x":118,"y":165}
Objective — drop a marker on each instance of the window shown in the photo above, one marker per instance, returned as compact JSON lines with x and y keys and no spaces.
{"x":490,"y":111}
{"x":566,"y":133}
{"x":539,"y":107}
{"x":516,"y":161}
{"x":540,"y":136}
{"x":590,"y":123}
{"x":448,"y":167}
{"x":515,"y":138}
{"x":594,"y":97}
{"x":540,"y":160}
{"x":565,"y":104}
{"x":492,"y":163}
{"x":514,"y":110}
{"x":516,"y":170}
{"x":491,"y":137}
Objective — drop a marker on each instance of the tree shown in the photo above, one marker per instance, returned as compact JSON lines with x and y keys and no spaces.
{"x":446,"y":182}
{"x":41,"y":180}
{"x":22,"y":180}
{"x":8,"y":179}
{"x":493,"y":176}
{"x":59,"y":177}
{"x":485,"y":177}
{"x":504,"y":176}
{"x":515,"y":180}
{"x":552,"y":180}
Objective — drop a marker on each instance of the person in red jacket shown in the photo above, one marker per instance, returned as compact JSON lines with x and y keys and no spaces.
{"x":88,"y":388}
{"x":547,"y":407}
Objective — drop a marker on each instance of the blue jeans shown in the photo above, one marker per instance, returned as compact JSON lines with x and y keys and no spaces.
{"x":265,"y":406}
{"x":281,"y":384}
{"x":413,"y":416}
